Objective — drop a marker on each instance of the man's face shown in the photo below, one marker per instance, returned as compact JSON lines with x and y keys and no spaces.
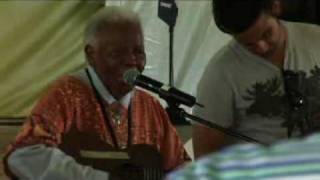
{"x":119,"y":49}
{"x":264,"y":38}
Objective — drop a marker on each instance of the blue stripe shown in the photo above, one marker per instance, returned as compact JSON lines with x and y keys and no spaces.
{"x":245,"y":154}
{"x":284,"y":174}
{"x":269,"y":164}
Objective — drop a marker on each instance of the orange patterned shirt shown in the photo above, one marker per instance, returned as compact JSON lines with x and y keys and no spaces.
{"x":70,"y":117}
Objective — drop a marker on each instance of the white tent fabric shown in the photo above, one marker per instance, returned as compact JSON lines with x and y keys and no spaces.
{"x":40,"y":41}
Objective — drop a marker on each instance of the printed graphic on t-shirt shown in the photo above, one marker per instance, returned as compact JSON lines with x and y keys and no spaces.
{"x":300,"y":100}
{"x":268,"y":99}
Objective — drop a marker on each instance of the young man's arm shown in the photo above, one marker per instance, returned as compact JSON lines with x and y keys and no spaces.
{"x":207,"y":140}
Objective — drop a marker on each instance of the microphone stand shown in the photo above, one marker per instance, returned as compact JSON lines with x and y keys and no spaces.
{"x":298,"y":104}
{"x":177,"y":113}
{"x":171,"y":68}
{"x":168,"y":12}
{"x":297,"y":116}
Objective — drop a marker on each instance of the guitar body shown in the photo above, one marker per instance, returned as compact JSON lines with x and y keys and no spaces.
{"x":139,"y":161}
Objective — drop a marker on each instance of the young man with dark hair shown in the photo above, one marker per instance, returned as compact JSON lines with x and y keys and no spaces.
{"x":242,"y":87}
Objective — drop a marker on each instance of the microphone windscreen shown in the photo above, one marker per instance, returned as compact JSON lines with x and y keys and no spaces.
{"x":130,"y":76}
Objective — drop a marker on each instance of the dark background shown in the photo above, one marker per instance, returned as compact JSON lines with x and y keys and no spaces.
{"x":301,"y":11}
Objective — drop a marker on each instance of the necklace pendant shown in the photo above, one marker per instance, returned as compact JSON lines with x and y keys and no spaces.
{"x":118,"y":121}
{"x":116,"y":118}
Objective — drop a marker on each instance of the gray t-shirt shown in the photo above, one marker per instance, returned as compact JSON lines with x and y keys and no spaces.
{"x":246,"y":93}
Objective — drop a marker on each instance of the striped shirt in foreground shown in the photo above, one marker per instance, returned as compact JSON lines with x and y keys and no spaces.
{"x":293,"y":159}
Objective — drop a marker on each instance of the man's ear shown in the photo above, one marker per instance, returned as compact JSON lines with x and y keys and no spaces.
{"x":90,"y":54}
{"x":277,"y":8}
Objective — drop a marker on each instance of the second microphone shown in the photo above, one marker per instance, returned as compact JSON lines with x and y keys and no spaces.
{"x":170,"y":94}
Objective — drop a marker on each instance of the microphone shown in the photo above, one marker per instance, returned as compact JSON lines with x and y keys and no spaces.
{"x":168,"y":11}
{"x":170,"y":94}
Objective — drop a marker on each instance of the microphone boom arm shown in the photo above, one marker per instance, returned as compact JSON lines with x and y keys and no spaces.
{"x":179,"y":112}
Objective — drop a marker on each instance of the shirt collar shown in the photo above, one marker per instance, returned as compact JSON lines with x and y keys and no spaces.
{"x":104,"y":92}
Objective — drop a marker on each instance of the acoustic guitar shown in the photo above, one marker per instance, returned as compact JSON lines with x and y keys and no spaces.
{"x":137,"y":162}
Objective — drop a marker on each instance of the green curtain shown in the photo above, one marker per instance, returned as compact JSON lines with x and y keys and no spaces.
{"x":39,"y":41}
